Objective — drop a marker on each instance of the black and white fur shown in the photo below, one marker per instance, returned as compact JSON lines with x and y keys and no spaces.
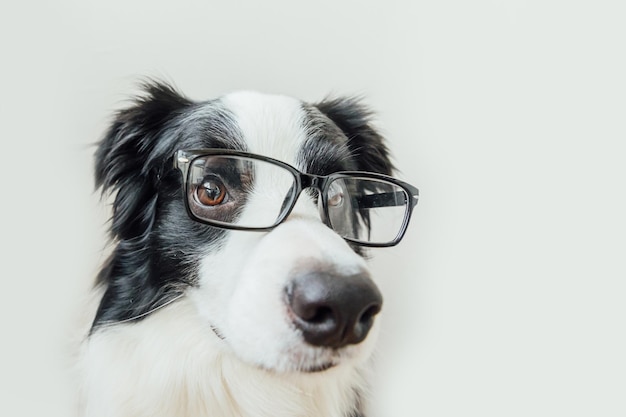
{"x":192,"y":319}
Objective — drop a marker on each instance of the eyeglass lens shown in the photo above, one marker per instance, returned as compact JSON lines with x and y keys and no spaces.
{"x":366,"y":210}
{"x":224,"y":189}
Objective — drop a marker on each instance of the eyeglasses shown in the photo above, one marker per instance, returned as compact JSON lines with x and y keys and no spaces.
{"x":243,"y":191}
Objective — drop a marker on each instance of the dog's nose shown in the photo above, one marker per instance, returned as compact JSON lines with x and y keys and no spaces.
{"x":333,"y":310}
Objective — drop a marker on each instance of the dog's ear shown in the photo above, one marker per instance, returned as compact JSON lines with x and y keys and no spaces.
{"x":365,"y":143}
{"x":132,"y":155}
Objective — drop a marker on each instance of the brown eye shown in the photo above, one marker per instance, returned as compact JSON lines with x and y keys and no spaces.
{"x":211,"y":192}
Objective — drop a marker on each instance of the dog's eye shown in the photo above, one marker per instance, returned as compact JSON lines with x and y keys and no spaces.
{"x":335,"y":195}
{"x":211,"y":192}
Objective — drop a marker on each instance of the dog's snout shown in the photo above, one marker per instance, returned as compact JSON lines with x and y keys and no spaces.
{"x":333,"y":310}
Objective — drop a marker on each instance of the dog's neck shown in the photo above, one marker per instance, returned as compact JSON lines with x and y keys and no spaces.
{"x":181,"y":368}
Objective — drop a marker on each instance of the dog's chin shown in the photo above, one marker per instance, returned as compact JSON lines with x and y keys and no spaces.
{"x":318,"y":368}
{"x":303,"y":369}
{"x":310,"y":360}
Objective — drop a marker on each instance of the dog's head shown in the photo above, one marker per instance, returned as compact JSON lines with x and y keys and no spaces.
{"x":295,"y":295}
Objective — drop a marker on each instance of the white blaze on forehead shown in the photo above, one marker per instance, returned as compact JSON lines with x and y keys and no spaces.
{"x":272,"y":125}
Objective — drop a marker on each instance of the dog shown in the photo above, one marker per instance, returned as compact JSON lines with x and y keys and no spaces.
{"x":238,"y":283}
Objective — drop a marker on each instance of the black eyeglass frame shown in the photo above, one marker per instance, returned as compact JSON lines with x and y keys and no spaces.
{"x":184,"y":158}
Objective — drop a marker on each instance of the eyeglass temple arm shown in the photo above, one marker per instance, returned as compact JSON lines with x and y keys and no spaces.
{"x":393,"y":199}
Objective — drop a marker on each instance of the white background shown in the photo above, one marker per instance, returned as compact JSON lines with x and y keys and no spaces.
{"x":507,"y":296}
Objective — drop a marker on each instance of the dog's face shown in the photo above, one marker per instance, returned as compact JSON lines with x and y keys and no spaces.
{"x":297,"y":297}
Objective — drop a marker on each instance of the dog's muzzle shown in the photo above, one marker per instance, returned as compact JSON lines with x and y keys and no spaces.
{"x":333,"y":310}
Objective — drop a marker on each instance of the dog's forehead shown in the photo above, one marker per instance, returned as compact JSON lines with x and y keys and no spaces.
{"x":271,"y":125}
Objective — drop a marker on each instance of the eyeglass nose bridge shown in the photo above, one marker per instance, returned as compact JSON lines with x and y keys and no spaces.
{"x":311,"y":181}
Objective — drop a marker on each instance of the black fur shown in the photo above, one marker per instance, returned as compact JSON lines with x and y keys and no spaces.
{"x":131,"y":158}
{"x":154,"y":260}
{"x":150,"y":265}
{"x":366,"y":145}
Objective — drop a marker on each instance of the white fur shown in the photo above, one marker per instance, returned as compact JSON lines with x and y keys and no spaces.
{"x":171,"y":363}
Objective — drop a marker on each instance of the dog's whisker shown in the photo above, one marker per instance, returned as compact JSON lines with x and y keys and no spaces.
{"x":139,"y":316}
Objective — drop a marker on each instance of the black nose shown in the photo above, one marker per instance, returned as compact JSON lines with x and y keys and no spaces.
{"x":333,"y":310}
